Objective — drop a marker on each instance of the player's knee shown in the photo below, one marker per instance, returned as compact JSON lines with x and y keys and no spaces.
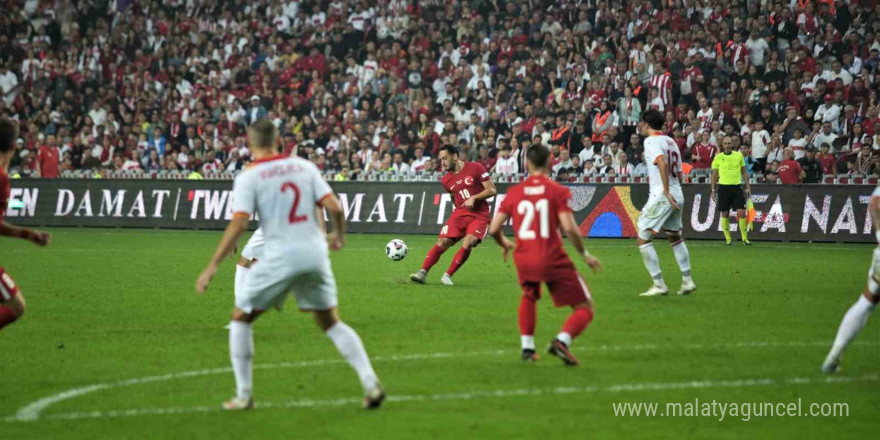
{"x":642,"y":241}
{"x":245,"y":262}
{"x":326,"y":318}
{"x":444,"y":243}
{"x":674,"y":238}
{"x":17,"y":305}
{"x":874,"y":298}
{"x":242,"y":316}
{"x":584,"y":305}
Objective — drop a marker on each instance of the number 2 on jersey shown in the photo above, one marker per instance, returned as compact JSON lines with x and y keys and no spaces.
{"x":527,"y":210}
{"x":672,"y":160}
{"x":292,"y":217}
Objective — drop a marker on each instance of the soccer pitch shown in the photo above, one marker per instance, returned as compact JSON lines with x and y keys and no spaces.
{"x":116,"y":344}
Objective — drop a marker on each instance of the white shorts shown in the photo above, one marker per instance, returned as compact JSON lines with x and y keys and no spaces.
{"x":659,"y":215}
{"x":254,"y":247}
{"x":268,"y":283}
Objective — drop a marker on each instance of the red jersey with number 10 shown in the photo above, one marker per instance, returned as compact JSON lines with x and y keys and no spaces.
{"x":466,"y":183}
{"x":535,"y":205}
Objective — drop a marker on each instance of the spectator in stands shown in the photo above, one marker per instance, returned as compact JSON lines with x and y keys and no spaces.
{"x":811,"y":166}
{"x":827,"y":160}
{"x":790,"y":171}
{"x":506,"y":163}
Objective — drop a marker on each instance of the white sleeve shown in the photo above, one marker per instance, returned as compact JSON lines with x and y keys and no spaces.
{"x":652,"y":150}
{"x":244,"y":198}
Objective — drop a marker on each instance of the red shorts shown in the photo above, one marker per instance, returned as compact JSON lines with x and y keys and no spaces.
{"x":462,"y":223}
{"x":8,"y":289}
{"x":566,"y":286}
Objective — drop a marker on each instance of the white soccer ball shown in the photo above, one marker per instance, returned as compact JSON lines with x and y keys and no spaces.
{"x":395,"y":250}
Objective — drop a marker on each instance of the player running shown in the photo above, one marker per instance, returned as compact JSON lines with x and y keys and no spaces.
{"x":730,"y":169}
{"x":539,"y":207}
{"x":12,"y":305}
{"x":857,"y":315}
{"x":663,"y":210}
{"x":470,"y":186}
{"x":283,"y":192}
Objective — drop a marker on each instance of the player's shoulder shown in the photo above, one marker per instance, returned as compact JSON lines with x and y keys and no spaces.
{"x":4,"y":179}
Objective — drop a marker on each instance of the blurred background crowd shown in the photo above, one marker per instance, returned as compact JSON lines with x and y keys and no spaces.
{"x":362,"y":87}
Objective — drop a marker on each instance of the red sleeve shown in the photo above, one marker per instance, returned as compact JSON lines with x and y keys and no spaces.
{"x":479,"y":172}
{"x":4,"y":193}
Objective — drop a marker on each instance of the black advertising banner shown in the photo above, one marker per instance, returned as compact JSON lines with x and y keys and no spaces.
{"x":787,"y":213}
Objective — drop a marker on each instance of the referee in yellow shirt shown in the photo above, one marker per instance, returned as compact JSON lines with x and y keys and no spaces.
{"x":729,"y":174}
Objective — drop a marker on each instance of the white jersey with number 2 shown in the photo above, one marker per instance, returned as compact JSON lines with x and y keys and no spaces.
{"x":283,"y":191}
{"x":660,"y":145}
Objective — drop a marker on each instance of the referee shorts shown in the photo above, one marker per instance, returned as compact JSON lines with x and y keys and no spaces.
{"x":731,"y":197}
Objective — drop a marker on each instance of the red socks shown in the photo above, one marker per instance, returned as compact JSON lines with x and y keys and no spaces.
{"x":577,"y":322}
{"x":528,"y":316}
{"x":460,"y":257}
{"x":6,"y":316}
{"x":432,"y":257}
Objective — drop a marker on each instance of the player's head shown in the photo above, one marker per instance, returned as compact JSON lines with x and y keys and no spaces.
{"x":538,"y":158}
{"x":652,"y":119}
{"x":727,"y":145}
{"x":262,"y":136}
{"x":8,"y":135}
{"x":448,"y":157}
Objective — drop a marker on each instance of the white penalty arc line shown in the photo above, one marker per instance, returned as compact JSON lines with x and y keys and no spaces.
{"x":490,"y":394}
{"x":32,"y":411}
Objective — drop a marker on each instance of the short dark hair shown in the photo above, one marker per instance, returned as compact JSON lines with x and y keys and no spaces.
{"x":538,"y":155}
{"x":450,"y":149}
{"x":8,"y":134}
{"x":654,"y":119}
{"x":264,"y":133}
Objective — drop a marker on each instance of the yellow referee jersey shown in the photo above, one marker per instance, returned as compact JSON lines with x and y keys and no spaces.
{"x":729,"y":167}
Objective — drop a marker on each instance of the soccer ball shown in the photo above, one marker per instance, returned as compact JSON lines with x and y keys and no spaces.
{"x":395,"y":250}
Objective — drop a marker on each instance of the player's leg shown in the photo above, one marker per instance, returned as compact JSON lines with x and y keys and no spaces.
{"x":476,"y":232}
{"x":725,"y":201}
{"x":856,"y":317}
{"x":241,"y":356}
{"x":443,"y":243}
{"x":12,"y":304}
{"x":683,"y":258}
{"x":352,"y":349}
{"x":725,"y":226}
{"x":570,"y":290}
{"x":650,"y":221}
{"x":316,"y":292}
{"x":743,"y":226}
{"x":528,"y":318}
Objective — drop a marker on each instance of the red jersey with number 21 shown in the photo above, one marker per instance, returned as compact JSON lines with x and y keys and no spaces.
{"x":466,"y":183}
{"x":535,"y":205}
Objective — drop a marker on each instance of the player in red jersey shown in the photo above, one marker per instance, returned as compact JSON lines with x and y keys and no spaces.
{"x":540,"y":207}
{"x":470,"y":186}
{"x":12,"y":304}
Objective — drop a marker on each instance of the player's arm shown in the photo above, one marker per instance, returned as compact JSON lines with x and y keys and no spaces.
{"x":568,"y":225}
{"x":337,"y":216}
{"x":488,"y":191}
{"x":227,"y":246}
{"x":498,"y":234}
{"x":745,"y":178}
{"x":38,"y":238}
{"x":319,"y":216}
{"x":714,"y":180}
{"x":660,"y":161}
{"x":874,"y":209}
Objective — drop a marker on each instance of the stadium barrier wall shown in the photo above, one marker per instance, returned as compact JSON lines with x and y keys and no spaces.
{"x":786,"y":213}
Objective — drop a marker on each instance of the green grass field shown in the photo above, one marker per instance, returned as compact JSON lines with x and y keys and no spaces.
{"x":116,"y":310}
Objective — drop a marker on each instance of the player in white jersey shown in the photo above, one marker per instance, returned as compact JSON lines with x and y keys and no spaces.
{"x":284,"y":191}
{"x":663,"y":210}
{"x":857,"y":315}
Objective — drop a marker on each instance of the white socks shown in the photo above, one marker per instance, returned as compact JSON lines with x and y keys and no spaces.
{"x":852,"y":323}
{"x":683,"y":257}
{"x":652,"y":263}
{"x":564,"y":337}
{"x":352,"y":349}
{"x":241,"y":352}
{"x":528,"y":342}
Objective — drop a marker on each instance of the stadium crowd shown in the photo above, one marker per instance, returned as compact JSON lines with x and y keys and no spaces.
{"x":380,"y":85}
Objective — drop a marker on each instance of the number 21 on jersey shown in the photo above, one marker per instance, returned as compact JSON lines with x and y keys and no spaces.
{"x":527,"y":210}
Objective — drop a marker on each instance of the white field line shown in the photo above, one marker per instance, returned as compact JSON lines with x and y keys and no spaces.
{"x":490,"y":394}
{"x":33,"y":410}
